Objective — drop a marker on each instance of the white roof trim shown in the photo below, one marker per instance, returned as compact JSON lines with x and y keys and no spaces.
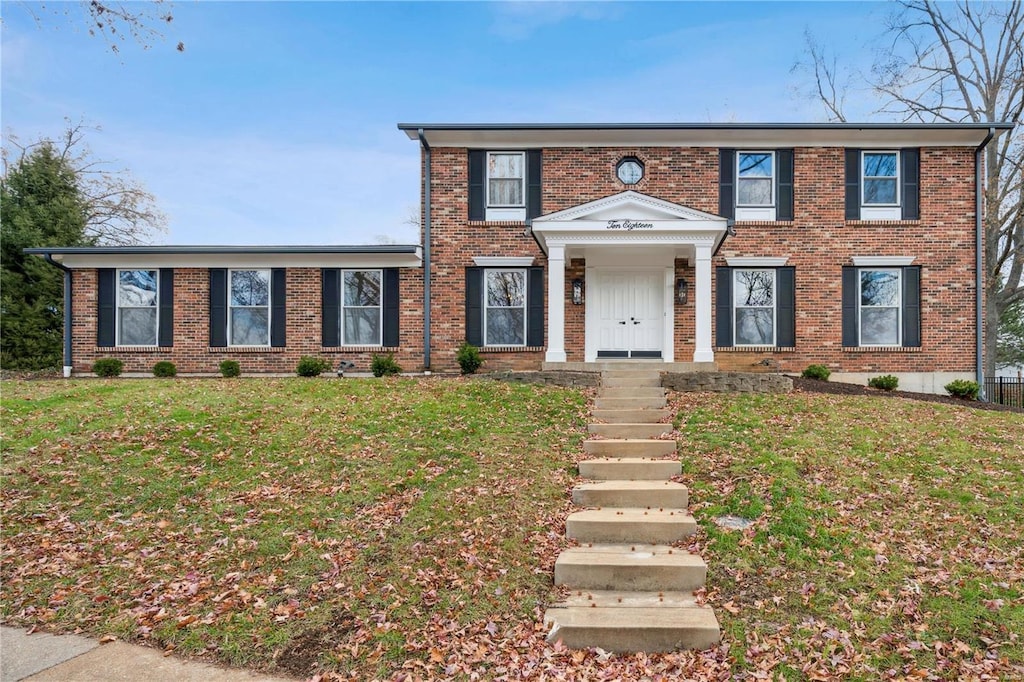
{"x":503,"y":261}
{"x":622,"y":204}
{"x":885,"y":261}
{"x":757,"y":262}
{"x":240,"y":260}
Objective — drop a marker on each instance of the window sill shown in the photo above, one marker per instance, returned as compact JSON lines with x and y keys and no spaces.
{"x":246,"y":349}
{"x":880,"y":223}
{"x":764,"y":223}
{"x":359,"y":349}
{"x":511,"y":349}
{"x":755,"y":349}
{"x":132,"y":349}
{"x":497,"y":223}
{"x":882,"y":349}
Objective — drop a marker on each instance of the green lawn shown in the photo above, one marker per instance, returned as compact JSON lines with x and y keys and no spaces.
{"x":372,"y":528}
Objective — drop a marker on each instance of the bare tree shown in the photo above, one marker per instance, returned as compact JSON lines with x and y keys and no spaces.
{"x":118,"y":209}
{"x":115,"y":22}
{"x":946,"y":62}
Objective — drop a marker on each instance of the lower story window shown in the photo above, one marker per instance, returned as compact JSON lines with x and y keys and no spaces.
{"x":361,"y":308}
{"x":754,"y":306}
{"x":505,"y":308}
{"x":249,"y":308}
{"x":137,"y":306}
{"x":880,"y":305}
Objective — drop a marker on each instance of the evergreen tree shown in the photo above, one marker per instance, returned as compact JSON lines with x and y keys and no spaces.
{"x":40,"y":205}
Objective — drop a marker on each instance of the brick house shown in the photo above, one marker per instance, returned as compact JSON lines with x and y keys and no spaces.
{"x":756,"y":247}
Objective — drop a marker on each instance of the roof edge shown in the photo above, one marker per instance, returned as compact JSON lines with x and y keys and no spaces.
{"x":224,"y":250}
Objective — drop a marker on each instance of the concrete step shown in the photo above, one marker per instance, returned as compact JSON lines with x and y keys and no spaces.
{"x":631,"y":392}
{"x":630,"y":568}
{"x":630,"y":525}
{"x":650,"y":629}
{"x":620,"y":380}
{"x":655,"y":494}
{"x":629,"y":469}
{"x":629,"y":599}
{"x":629,"y":403}
{"x":632,"y":416}
{"x":629,"y":430}
{"x":624,"y":447}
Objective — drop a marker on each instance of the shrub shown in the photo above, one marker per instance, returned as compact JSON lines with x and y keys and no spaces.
{"x":886,"y":382}
{"x":164,"y":369}
{"x":819,"y":372}
{"x":312,"y":367}
{"x":469,"y":358}
{"x":107,"y":367}
{"x":230,"y":368}
{"x":963,"y":389}
{"x":384,"y":365}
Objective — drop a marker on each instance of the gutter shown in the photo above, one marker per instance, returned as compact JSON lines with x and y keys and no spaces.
{"x":426,"y":251}
{"x":67,"y":312}
{"x":979,"y":341}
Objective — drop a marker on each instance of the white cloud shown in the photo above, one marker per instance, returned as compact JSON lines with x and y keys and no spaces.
{"x":518,"y":20}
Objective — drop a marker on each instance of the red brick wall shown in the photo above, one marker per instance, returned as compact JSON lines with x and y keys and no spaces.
{"x":192,"y":353}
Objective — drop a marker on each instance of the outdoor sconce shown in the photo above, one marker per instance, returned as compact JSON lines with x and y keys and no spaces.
{"x":577,"y":291}
{"x":682,"y":291}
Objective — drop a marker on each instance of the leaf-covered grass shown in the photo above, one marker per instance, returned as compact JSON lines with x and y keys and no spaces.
{"x":376,"y":528}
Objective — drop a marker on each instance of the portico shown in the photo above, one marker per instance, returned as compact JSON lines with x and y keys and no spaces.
{"x":630,"y":242}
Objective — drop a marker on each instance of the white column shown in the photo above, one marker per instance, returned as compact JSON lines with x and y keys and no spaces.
{"x":702,"y":306}
{"x":556,"y":303}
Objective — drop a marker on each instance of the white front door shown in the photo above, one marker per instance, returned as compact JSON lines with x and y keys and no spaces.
{"x":629,"y":313}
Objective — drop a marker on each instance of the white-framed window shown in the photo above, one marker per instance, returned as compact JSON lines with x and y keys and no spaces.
{"x":880,"y":306}
{"x":361,"y":307}
{"x":506,"y":179}
{"x":880,"y":178}
{"x":755,"y":179}
{"x":138,"y":300}
{"x":249,"y":308}
{"x":754,"y":306}
{"x":505,"y":307}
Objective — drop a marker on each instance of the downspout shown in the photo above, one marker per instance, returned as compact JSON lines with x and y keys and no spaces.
{"x":979,"y":341}
{"x":426,"y":252}
{"x":67,"y":312}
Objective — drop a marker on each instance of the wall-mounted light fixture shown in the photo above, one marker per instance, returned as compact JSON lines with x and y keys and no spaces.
{"x":577,"y":291}
{"x":682,"y":291}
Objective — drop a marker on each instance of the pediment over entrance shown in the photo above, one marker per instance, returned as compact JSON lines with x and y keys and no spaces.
{"x":628,"y":205}
{"x":630,"y":219}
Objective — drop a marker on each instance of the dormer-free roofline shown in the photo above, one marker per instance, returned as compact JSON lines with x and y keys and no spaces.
{"x":523,"y":135}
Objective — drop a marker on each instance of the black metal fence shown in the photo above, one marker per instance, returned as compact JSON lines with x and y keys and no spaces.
{"x":1005,"y":390}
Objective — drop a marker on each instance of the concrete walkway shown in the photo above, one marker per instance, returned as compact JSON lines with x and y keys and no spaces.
{"x":42,"y":657}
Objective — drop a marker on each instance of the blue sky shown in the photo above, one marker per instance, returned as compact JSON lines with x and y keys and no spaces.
{"x":277,"y":123}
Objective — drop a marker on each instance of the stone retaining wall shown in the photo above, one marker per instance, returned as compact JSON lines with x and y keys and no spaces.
{"x":550,"y":377}
{"x":726,"y":382}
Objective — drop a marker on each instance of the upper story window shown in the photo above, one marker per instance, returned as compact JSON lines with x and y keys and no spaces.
{"x":506,"y":179}
{"x":755,"y":179}
{"x":361,"y":323}
{"x":880,"y":173}
{"x":137,"y":306}
{"x":755,"y":185}
{"x":249,"y":308}
{"x":883,"y":184}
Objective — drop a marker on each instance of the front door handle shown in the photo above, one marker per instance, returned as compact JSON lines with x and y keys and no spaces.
{"x":622,"y":322}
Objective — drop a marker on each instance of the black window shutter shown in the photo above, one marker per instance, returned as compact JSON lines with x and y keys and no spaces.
{"x":723,"y":308}
{"x":784,"y":195}
{"x":391,"y":302}
{"x":278,"y":306}
{"x":853,"y":184}
{"x":727,"y":183}
{"x":106,"y":313}
{"x":912,"y":306}
{"x":218,"y":307}
{"x":785,"y":336}
{"x":850,"y":336}
{"x":330,"y":305}
{"x":533,"y":171}
{"x":910,"y":159}
{"x":477,"y":197}
{"x":166,"y":312}
{"x":535,"y":307}
{"x":474,"y":306}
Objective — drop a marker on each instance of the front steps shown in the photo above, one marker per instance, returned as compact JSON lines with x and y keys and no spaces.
{"x":632,"y":589}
